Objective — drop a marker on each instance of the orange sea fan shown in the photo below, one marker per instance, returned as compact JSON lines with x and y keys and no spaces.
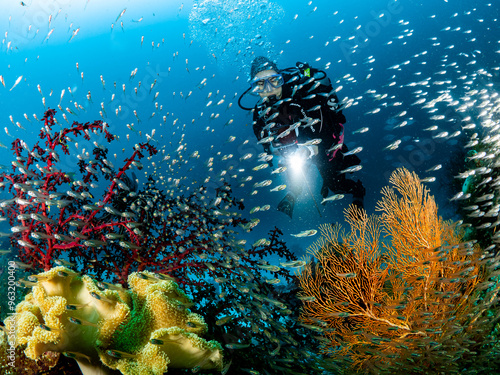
{"x":411,"y":300}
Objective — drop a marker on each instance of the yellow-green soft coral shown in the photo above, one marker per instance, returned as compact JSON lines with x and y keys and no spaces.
{"x":143,"y":330}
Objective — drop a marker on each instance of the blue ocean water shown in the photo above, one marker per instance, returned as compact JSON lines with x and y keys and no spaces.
{"x":344,"y":36}
{"x":385,"y":56}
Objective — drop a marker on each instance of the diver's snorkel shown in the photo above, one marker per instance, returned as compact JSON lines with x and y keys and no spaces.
{"x":241,"y":97}
{"x":270,"y":100}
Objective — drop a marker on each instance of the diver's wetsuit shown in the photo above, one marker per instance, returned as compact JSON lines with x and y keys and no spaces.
{"x":298,"y":103}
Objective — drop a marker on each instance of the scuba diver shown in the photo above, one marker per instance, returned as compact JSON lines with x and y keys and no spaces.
{"x":299,"y":118}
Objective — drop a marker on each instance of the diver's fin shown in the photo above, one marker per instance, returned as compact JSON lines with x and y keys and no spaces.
{"x":324,"y":190}
{"x":286,"y":205}
{"x":358,"y":195}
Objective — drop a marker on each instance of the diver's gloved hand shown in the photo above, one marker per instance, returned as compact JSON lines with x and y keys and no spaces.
{"x":309,"y":122}
{"x":314,"y":150}
{"x":307,"y":152}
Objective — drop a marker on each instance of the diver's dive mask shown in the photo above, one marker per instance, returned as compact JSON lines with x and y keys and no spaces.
{"x":266,"y":84}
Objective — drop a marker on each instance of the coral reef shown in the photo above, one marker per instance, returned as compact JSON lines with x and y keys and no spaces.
{"x":48,"y":220}
{"x":128,"y":229}
{"x":191,"y":238}
{"x":144,"y":330}
{"x":421,"y":299}
{"x":479,"y":198}
{"x":19,"y":362}
{"x":257,"y":316}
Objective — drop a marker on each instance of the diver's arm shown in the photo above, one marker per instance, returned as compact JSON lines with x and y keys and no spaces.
{"x":333,"y":106}
{"x":326,"y":123}
{"x":326,"y":96}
